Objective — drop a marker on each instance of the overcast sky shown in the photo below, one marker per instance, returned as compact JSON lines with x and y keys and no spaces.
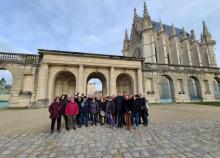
{"x":94,"y":25}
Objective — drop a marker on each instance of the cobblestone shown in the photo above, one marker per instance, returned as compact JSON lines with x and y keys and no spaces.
{"x":187,"y":139}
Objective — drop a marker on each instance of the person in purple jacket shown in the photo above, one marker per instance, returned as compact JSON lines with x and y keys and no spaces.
{"x":55,"y":110}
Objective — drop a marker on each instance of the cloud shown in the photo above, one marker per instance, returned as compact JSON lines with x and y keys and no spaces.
{"x":94,"y":25}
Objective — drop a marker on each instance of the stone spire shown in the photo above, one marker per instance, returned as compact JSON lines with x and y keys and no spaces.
{"x":126,"y":44}
{"x":173,"y":33}
{"x":145,"y":10}
{"x":193,"y":36}
{"x":126,"y":35}
{"x":161,"y":26}
{"x":146,"y":18}
{"x":207,"y":36}
{"x":184,"y":36}
{"x":135,"y":13}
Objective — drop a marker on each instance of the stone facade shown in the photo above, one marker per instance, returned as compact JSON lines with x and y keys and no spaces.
{"x":162,"y":62}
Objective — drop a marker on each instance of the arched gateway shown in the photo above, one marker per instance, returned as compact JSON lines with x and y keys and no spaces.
{"x":72,"y":74}
{"x":65,"y":84}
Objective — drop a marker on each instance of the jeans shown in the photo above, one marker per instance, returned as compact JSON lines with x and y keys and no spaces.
{"x":94,"y":117}
{"x":84,"y":117}
{"x":135,"y":118}
{"x":71,"y":121}
{"x":53,"y":121}
{"x":111,"y":120}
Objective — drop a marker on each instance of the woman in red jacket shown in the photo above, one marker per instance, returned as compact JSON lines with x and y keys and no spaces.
{"x":71,"y":111}
{"x":55,"y":110}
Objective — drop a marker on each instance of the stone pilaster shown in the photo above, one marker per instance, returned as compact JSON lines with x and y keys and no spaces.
{"x":80,"y":79}
{"x":140,"y":81}
{"x":43,"y":83}
{"x":112,"y":83}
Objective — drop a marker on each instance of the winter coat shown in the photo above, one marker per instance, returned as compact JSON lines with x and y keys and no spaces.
{"x":94,"y":107}
{"x":110,"y":107}
{"x":102,"y":106}
{"x":55,"y":110}
{"x":63,"y":104}
{"x":128,"y":105}
{"x":143,"y":104}
{"x":119,"y":103}
{"x":72,"y":109}
{"x":85,"y":108}
{"x":136,"y":105}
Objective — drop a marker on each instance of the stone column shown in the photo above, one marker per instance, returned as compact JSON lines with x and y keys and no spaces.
{"x":140,"y":81}
{"x":80,"y":79}
{"x":43,"y":82}
{"x":112,"y":82}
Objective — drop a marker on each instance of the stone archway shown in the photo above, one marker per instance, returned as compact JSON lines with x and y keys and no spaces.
{"x":194,"y":88}
{"x":65,"y":84}
{"x":216,"y":87}
{"x":101,"y":77}
{"x":125,"y":83}
{"x":6,"y":82}
{"x":166,"y":88}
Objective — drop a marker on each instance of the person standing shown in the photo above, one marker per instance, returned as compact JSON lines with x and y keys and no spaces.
{"x":128,"y":108}
{"x":102,"y":106}
{"x":144,"y":111}
{"x":84,"y":112}
{"x":63,"y":102}
{"x":94,"y":110}
{"x":136,"y":110}
{"x":55,"y":110}
{"x":79,"y":101}
{"x":119,"y":109}
{"x":71,"y":111}
{"x":110,"y":110}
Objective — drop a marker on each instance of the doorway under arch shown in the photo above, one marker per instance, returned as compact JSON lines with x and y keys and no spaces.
{"x":125,"y":83}
{"x":6,"y":80}
{"x":216,"y":88}
{"x":167,"y":94}
{"x":96,"y":84}
{"x":194,"y":88}
{"x":65,"y":84}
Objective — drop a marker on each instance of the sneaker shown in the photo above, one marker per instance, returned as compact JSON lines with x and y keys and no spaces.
{"x":74,"y":128}
{"x":59,"y":131}
{"x":51,"y":132}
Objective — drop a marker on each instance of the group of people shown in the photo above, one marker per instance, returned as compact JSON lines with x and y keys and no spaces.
{"x":116,"y":111}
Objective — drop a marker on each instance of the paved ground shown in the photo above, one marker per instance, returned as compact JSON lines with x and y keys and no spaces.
{"x":182,"y":139}
{"x":37,"y":120}
{"x":175,"y":131}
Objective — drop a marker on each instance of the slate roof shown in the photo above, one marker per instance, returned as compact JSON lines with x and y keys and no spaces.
{"x":167,"y":28}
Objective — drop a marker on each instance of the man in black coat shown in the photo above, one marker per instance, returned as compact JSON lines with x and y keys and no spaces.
{"x":136,"y":108}
{"x":119,"y":109}
{"x":144,"y":111}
